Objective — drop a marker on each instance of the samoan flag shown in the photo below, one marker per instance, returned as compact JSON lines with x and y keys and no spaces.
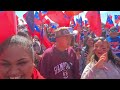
{"x":36,"y":16}
{"x":117,"y":18}
{"x":42,"y":14}
{"x":37,"y":19}
{"x":109,"y":22}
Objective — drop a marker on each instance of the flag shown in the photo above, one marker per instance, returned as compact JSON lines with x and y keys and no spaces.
{"x":109,"y":22}
{"x":53,"y":26}
{"x":117,"y":18}
{"x":36,"y":15}
{"x":45,"y":40}
{"x":42,"y":15}
{"x":17,"y":19}
{"x":40,"y":20}
{"x":37,"y":28}
{"x":8,"y":25}
{"x":72,"y":21}
{"x":80,"y":21}
{"x":59,"y":18}
{"x":94,"y":20}
{"x":118,"y":28}
{"x":86,"y":23}
{"x":30,"y":29}
{"x":46,"y":21}
{"x":44,"y":12}
{"x":72,"y":13}
{"x":30,"y":19}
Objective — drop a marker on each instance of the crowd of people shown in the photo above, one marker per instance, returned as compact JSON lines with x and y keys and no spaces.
{"x":92,"y":57}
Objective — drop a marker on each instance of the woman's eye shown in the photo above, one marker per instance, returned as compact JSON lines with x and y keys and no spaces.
{"x":5,"y":64}
{"x":22,"y":63}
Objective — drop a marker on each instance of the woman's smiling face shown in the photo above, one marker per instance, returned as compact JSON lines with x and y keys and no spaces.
{"x":101,"y":47}
{"x":15,"y":63}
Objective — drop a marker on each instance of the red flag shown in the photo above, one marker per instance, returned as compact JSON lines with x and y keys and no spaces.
{"x":41,"y":15}
{"x":24,"y":16}
{"x":94,"y":20}
{"x":59,"y":18}
{"x":17,"y":19}
{"x":37,"y":22}
{"x":45,"y":40}
{"x":8,"y":24}
{"x":72,"y":13}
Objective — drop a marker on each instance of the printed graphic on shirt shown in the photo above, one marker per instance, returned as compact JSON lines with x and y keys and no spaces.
{"x":63,"y":67}
{"x":115,"y":46}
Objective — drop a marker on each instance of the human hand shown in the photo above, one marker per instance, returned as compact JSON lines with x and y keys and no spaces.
{"x":101,"y":61}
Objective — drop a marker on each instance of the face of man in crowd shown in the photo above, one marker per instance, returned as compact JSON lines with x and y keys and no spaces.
{"x":113,"y":34}
{"x":64,"y":41}
{"x":15,"y":63}
{"x":101,"y":47}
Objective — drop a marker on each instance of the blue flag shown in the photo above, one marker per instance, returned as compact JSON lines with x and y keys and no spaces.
{"x":80,"y":21}
{"x":30,"y":19}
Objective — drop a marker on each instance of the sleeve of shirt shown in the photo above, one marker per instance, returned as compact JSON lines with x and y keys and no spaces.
{"x":89,"y":72}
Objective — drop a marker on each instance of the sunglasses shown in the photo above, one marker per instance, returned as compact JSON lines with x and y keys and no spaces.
{"x":113,"y":30}
{"x":99,"y":38}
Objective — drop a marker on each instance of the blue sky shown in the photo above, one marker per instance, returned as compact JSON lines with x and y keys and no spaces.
{"x":103,"y":14}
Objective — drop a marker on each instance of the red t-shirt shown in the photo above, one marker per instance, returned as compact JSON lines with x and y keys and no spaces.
{"x":36,"y":74}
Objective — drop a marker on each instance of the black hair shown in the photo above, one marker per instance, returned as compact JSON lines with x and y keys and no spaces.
{"x":19,"y":39}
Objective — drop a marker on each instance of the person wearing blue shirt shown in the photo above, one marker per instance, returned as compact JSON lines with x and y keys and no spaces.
{"x":114,"y":41}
